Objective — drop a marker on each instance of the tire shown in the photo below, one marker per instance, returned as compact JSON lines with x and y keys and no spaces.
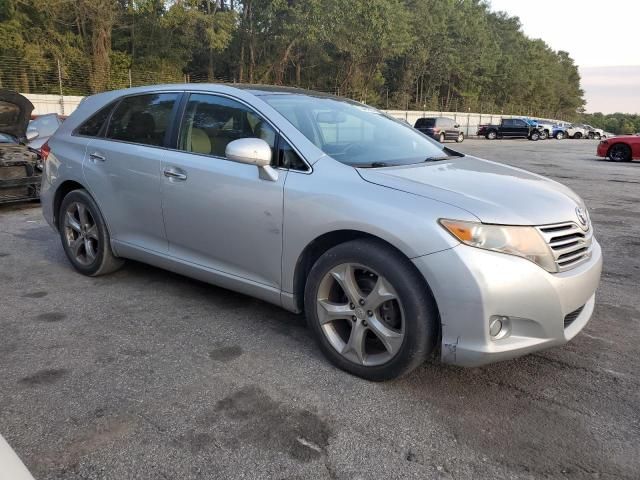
{"x":544,"y":135}
{"x":413,"y":332}
{"x":577,"y":135}
{"x":535,"y":136}
{"x":597,"y":136}
{"x":460,"y":138}
{"x":84,"y":235}
{"x":441,"y":138}
{"x":619,"y":153}
{"x":560,"y":136}
{"x":591,"y":136}
{"x":492,"y":135}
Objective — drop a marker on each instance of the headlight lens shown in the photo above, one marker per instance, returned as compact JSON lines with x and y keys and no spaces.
{"x":524,"y":242}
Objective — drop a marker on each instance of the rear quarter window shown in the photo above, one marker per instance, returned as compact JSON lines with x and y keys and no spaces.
{"x":92,"y":126}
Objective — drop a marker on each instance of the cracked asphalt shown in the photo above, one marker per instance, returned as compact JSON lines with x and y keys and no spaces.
{"x":145,"y":374}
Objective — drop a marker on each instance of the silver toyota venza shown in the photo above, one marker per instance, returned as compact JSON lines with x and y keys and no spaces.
{"x":393,"y":246}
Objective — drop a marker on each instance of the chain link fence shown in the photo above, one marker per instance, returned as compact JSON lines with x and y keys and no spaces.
{"x":58,"y":86}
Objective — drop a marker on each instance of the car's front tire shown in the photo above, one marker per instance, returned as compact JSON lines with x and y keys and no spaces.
{"x":460,"y":138}
{"x":560,"y":135}
{"x":441,"y":138}
{"x":370,"y":310}
{"x":491,"y":135}
{"x":535,"y":136}
{"x":544,"y":135}
{"x":84,"y":235}
{"x":620,"y":153}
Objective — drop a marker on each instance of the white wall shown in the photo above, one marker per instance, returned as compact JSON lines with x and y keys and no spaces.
{"x":53,"y":103}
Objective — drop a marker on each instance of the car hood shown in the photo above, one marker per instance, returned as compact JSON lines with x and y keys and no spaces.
{"x":15,"y":112}
{"x":492,"y":192}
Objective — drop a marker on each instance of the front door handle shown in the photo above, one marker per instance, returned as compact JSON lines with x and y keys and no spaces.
{"x":97,"y":157}
{"x":175,"y":174}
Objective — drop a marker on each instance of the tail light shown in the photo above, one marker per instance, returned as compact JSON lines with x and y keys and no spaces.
{"x":45,"y":150}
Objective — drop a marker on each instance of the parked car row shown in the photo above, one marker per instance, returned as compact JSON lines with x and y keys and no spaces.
{"x":535,"y":129}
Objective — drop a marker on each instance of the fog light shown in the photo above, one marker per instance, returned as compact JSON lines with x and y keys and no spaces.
{"x":495,"y":326}
{"x":499,"y":326}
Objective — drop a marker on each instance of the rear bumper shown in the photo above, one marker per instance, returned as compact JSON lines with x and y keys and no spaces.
{"x":471,"y":285}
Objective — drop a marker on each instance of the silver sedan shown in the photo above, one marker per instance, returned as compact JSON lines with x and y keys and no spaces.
{"x":394,"y":246}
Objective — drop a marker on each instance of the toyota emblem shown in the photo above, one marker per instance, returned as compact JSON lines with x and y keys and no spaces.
{"x":582,"y":216}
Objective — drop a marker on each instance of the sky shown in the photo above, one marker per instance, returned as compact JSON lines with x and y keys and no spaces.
{"x":602,"y":38}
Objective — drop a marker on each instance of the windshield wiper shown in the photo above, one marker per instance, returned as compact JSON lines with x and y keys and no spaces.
{"x":373,"y":165}
{"x":438,"y":159}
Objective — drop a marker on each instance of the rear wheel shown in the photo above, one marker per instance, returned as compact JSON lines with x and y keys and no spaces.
{"x":370,"y":310}
{"x":460,"y":138}
{"x":577,"y":135}
{"x":620,"y":153}
{"x":84,"y":235}
{"x":597,"y":136}
{"x":591,"y":136}
{"x":560,"y":135}
{"x":492,"y":135}
{"x":441,"y":138}
{"x":544,"y":135}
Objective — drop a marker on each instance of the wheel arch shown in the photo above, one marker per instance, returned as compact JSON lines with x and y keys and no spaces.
{"x":318,"y":246}
{"x":63,"y":189}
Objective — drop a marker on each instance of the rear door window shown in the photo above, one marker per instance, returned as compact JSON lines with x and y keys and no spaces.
{"x":142,"y":119}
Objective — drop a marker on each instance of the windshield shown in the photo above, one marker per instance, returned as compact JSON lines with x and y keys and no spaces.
{"x":353,"y":133}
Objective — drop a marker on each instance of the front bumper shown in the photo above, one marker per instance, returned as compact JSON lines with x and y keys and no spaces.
{"x":603,"y":148}
{"x":471,"y":285}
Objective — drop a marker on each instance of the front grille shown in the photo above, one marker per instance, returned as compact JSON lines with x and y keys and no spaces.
{"x":570,"y":317}
{"x":570,"y":244}
{"x":17,"y":182}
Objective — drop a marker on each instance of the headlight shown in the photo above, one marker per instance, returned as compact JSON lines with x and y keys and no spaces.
{"x":523,"y":242}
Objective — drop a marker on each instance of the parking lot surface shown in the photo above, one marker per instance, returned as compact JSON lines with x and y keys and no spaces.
{"x":149,"y":375}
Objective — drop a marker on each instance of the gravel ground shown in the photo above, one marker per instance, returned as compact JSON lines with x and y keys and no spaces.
{"x":150,"y":375}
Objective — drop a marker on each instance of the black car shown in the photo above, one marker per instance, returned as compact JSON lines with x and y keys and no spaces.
{"x":20,"y":166}
{"x":440,"y":128}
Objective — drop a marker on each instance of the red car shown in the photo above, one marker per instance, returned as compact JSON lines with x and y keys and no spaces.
{"x":620,"y":149}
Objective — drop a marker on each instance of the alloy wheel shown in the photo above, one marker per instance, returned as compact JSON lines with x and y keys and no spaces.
{"x":360,"y":314}
{"x":81,"y":233}
{"x":619,"y":153}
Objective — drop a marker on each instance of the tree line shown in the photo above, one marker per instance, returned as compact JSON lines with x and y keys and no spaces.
{"x":404,"y":54}
{"x":618,"y":123}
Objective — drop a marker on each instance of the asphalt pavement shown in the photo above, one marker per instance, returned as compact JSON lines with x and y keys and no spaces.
{"x":144,"y":374}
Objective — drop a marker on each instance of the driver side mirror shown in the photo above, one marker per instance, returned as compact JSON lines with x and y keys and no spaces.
{"x":32,"y":134}
{"x":456,"y":125}
{"x":253,"y":151}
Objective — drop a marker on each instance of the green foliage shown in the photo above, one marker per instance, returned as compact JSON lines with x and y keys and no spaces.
{"x":435,"y":54}
{"x":618,"y":123}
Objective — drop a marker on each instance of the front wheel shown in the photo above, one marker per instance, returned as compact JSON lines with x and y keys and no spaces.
{"x":460,"y":138}
{"x":577,"y":135}
{"x":491,"y":135}
{"x":544,"y":135}
{"x":441,"y":138}
{"x":84,"y":235}
{"x":535,"y":136}
{"x":620,"y":153}
{"x":370,"y":310}
{"x":560,"y":135}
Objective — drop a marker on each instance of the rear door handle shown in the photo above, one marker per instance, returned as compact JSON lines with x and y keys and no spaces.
{"x":97,"y":157}
{"x":175,"y":174}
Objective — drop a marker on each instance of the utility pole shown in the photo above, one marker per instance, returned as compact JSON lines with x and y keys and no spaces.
{"x":60,"y":85}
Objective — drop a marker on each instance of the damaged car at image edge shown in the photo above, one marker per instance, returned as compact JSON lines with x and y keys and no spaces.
{"x":20,"y":166}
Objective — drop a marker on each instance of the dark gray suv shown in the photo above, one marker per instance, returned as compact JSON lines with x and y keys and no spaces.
{"x":440,"y":128}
